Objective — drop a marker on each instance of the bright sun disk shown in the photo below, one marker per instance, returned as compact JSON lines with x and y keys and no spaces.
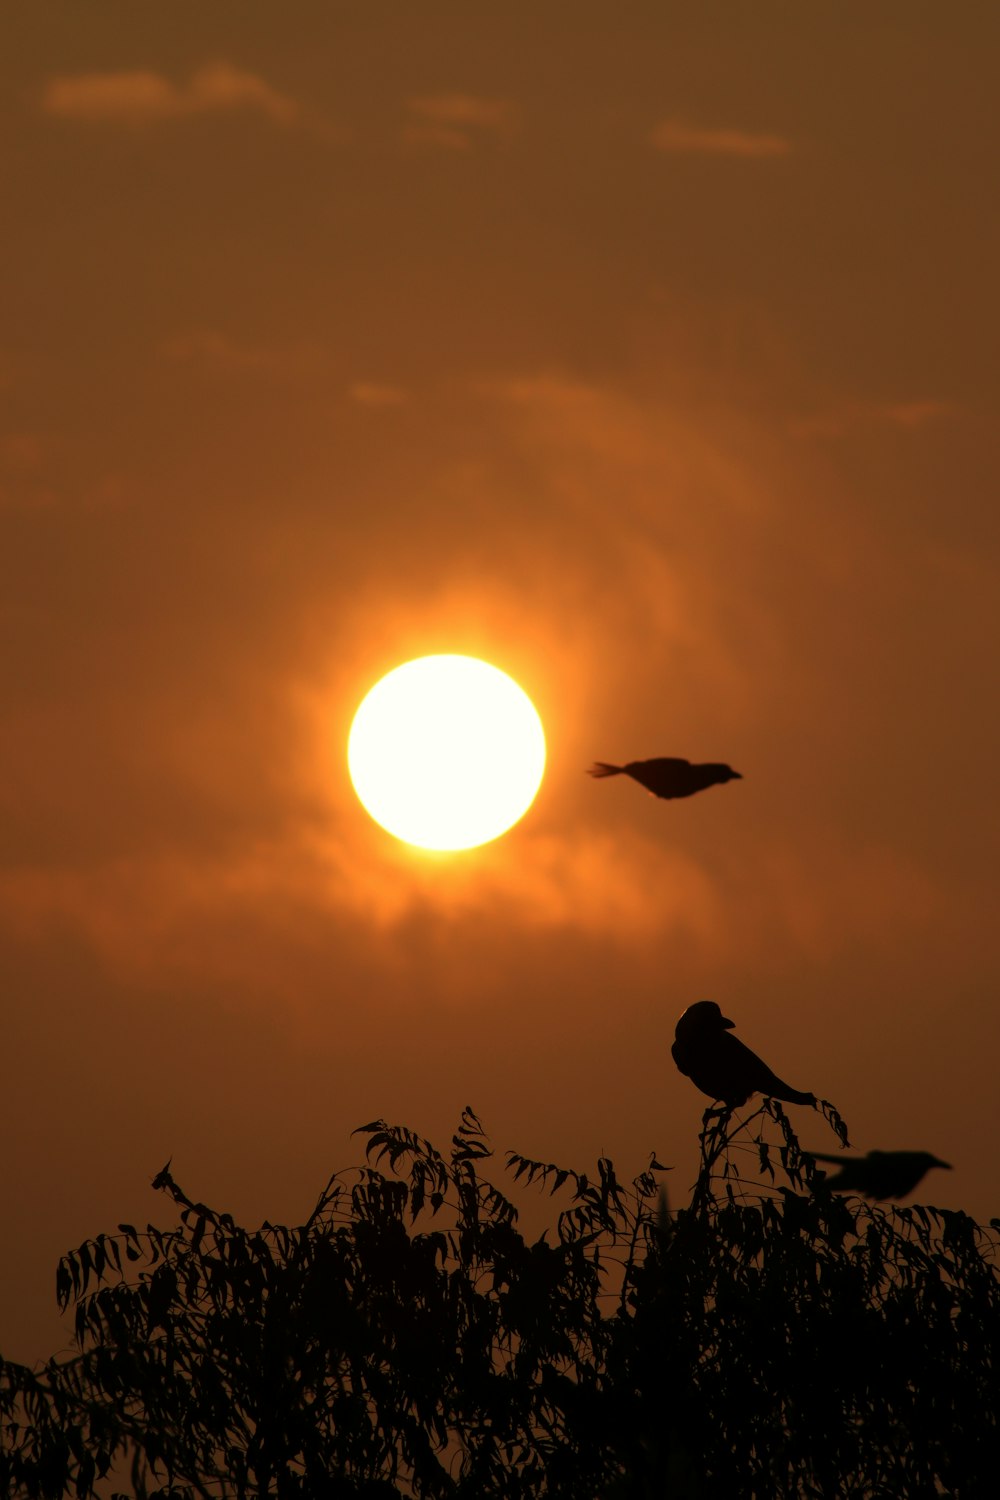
{"x":446,"y":752}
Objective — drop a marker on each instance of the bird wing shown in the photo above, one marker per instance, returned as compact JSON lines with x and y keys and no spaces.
{"x":755,"y":1073}
{"x":712,"y":1068}
{"x":701,"y":777}
{"x":669,"y":776}
{"x":664,"y":777}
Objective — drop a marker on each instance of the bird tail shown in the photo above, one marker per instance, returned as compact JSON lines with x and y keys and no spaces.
{"x":601,"y":768}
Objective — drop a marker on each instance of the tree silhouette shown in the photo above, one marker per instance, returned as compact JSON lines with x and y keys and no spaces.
{"x":771,"y":1338}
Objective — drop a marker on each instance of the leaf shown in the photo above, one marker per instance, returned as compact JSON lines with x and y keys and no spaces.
{"x":64,"y":1283}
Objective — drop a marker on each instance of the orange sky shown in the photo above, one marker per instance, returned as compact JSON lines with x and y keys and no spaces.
{"x":647,"y":351}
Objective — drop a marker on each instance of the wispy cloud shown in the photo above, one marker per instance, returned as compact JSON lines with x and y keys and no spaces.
{"x":909,"y":415}
{"x":456,"y":122}
{"x":20,"y":451}
{"x":914,"y":413}
{"x":371,"y":393}
{"x":682,"y":139}
{"x":141,"y":96}
{"x":215,"y":352}
{"x":23,"y":486}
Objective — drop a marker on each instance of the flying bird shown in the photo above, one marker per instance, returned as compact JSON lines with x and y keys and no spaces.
{"x":720,"y":1065}
{"x":669,"y":777}
{"x":881,"y":1174}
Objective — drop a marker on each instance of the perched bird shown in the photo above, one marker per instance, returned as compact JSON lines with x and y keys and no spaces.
{"x":719,"y":1065}
{"x":666,"y":776}
{"x":881,"y":1174}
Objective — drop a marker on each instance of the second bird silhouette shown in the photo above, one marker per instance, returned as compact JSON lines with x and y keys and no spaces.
{"x":720,"y":1065}
{"x":881,"y":1174}
{"x":668,"y":776}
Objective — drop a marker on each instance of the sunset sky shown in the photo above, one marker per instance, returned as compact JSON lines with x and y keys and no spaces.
{"x":648,"y":351}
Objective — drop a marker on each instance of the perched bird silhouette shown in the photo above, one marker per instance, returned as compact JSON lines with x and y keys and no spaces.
{"x":880,"y":1174}
{"x":720,"y":1065}
{"x":669,"y":777}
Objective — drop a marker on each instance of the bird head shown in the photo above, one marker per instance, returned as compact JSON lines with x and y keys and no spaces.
{"x":703,"y":1016}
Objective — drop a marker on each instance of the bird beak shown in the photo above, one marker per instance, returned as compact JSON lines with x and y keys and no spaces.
{"x":727,"y":1022}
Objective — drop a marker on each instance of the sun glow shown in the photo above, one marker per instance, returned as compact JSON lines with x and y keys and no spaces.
{"x":446,"y":752}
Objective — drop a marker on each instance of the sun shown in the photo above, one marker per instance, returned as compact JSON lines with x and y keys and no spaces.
{"x":446,"y":752}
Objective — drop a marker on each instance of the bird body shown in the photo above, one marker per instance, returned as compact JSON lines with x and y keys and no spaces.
{"x":668,"y":776}
{"x":720,"y":1065}
{"x":881,"y":1174}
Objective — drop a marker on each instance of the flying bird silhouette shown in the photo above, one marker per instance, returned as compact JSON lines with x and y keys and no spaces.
{"x":881,"y":1174}
{"x":669,"y":777}
{"x":720,"y":1065}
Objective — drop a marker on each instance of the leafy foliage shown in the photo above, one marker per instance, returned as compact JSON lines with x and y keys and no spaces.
{"x":770,"y":1339}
